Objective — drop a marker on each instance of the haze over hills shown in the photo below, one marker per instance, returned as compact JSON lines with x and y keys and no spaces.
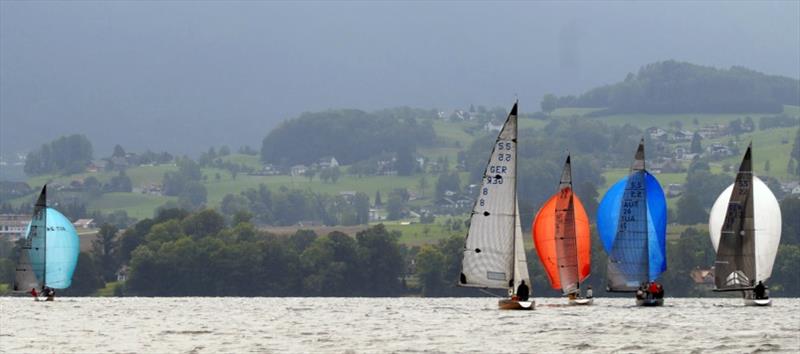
{"x":178,"y":78}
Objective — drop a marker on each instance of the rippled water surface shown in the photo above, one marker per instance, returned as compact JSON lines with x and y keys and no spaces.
{"x":356,"y":325}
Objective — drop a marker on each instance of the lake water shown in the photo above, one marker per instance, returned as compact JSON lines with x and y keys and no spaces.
{"x":366,"y":325}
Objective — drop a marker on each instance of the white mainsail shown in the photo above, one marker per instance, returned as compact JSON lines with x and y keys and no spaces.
{"x":494,"y":255}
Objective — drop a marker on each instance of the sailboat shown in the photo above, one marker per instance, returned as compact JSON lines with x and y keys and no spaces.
{"x":561,"y":237}
{"x":494,"y":254}
{"x":632,"y":222}
{"x":49,"y":253}
{"x":745,"y":229}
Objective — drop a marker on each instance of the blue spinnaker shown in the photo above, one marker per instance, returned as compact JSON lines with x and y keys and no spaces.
{"x":60,"y":251}
{"x":639,"y":254}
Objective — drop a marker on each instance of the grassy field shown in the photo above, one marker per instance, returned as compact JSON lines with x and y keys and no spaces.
{"x":135,"y":204}
{"x":108,"y":290}
{"x":453,"y":132}
{"x":420,"y":234}
{"x":774,"y":145}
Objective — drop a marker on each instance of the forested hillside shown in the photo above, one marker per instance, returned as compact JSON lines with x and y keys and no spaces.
{"x":679,"y":87}
{"x":349,"y":135}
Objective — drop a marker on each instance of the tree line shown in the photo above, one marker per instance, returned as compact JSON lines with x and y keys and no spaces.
{"x":680,"y":87}
{"x":65,"y":155}
{"x":348,"y":135}
{"x":182,"y":253}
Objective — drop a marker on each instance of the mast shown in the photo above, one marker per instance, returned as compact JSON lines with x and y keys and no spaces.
{"x":41,"y":205}
{"x":515,"y":279}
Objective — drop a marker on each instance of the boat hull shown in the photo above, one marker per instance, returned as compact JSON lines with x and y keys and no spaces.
{"x":650,"y":302}
{"x":508,"y":304}
{"x":581,"y":302}
{"x":758,"y":302}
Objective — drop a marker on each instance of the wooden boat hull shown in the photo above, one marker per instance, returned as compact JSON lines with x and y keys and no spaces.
{"x":508,"y":304}
{"x":581,"y":302}
{"x":758,"y":302}
{"x":650,"y":302}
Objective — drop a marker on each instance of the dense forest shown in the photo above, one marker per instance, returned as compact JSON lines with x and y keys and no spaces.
{"x":348,"y":135}
{"x":679,"y":87}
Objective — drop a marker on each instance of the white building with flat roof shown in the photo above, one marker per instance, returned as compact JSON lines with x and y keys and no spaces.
{"x":13,"y":226}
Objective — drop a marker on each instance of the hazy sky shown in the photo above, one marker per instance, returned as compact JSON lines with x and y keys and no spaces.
{"x":182,"y":76}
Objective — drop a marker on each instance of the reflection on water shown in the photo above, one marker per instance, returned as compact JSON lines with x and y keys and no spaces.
{"x":210,"y":325}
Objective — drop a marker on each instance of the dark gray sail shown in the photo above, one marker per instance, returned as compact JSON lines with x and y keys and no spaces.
{"x":628,"y":263}
{"x":30,"y":274}
{"x":566,"y":239}
{"x":735,"y":266}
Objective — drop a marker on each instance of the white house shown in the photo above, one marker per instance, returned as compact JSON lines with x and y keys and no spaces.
{"x":328,"y":162}
{"x":299,"y":170}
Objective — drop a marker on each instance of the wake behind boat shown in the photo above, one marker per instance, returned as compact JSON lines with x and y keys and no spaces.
{"x":745,"y":229}
{"x":494,"y":254}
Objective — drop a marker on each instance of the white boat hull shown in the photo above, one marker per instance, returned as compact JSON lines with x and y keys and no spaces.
{"x":581,"y":302}
{"x":758,"y":302}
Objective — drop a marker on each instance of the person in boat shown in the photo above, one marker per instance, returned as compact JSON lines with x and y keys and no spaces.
{"x":522,"y":291}
{"x":652,"y":289}
{"x":35,"y":294}
{"x":50,"y":293}
{"x":659,"y":294}
{"x":589,"y":293}
{"x":760,"y":290}
{"x":640,"y":293}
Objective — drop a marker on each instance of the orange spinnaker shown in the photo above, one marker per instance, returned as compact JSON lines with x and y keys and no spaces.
{"x":544,"y":238}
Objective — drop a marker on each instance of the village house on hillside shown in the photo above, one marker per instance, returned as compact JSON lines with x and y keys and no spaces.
{"x":491,"y":126}
{"x":656,"y":133}
{"x":711,"y":131}
{"x":718,"y":150}
{"x":328,"y":162}
{"x":298,"y":170}
{"x":682,"y":135}
{"x":84,"y":224}
{"x":703,"y":279}
{"x":13,"y":226}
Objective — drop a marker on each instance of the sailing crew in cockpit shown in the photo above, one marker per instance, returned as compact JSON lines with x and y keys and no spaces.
{"x":522,"y":291}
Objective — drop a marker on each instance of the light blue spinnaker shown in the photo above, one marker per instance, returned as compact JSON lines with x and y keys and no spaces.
{"x":60,"y":255}
{"x":632,"y":222}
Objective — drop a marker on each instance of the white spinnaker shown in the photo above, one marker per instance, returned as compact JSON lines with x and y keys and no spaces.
{"x":520,"y":260}
{"x":489,"y":251}
{"x":767,"y":220}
